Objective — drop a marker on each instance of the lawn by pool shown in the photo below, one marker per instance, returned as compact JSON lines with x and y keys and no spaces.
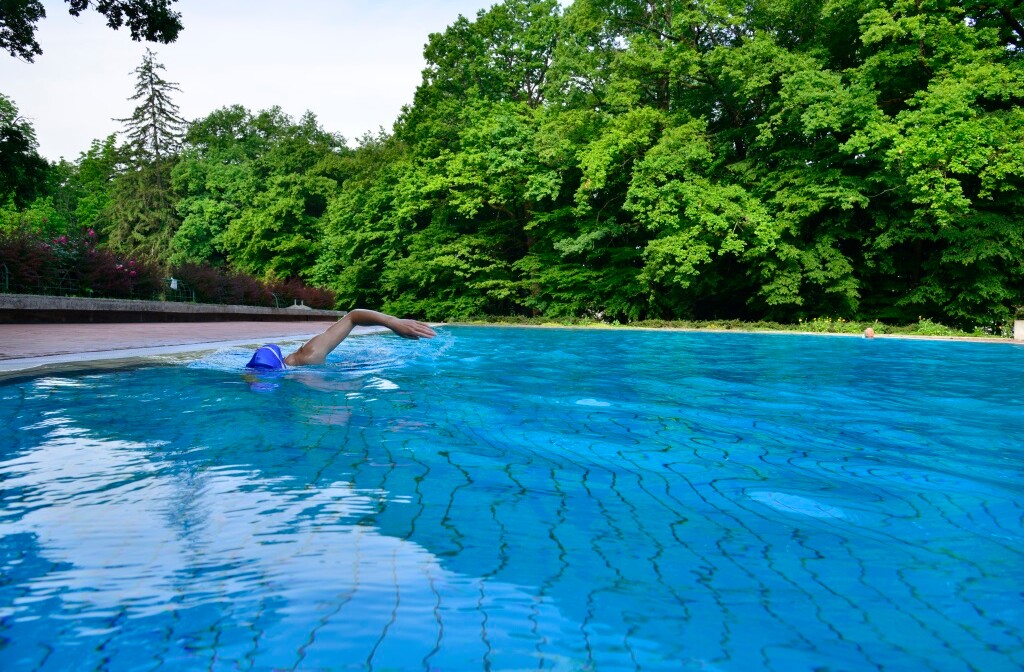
{"x":512,"y":499}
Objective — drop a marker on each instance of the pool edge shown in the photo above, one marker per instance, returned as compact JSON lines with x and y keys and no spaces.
{"x":104,"y":360}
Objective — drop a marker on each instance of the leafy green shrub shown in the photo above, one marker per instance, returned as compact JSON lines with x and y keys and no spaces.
{"x":826,"y":325}
{"x":926,"y":327}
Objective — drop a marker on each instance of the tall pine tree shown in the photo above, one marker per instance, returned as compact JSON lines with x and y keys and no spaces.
{"x":155,"y":129}
{"x":141,"y":219}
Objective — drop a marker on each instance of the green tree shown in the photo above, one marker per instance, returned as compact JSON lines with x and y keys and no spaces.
{"x":585,"y":251}
{"x":150,"y":20}
{"x":22,"y":170}
{"x":73,"y":195}
{"x":90,"y":181}
{"x":155,"y":129}
{"x":140,"y":218}
{"x":502,"y":56}
{"x":807,"y":138}
{"x":253,"y":188}
{"x":216,"y":179}
{"x":948,"y":244}
{"x":368,"y":223}
{"x":472,"y":170}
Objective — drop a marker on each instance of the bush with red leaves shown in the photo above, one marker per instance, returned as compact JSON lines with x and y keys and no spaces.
{"x":72,"y":266}
{"x":213,"y":285}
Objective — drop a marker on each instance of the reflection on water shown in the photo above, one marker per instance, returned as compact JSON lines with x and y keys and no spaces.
{"x":522,"y":499}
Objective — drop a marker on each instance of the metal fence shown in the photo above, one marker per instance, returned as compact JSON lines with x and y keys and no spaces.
{"x":65,"y":283}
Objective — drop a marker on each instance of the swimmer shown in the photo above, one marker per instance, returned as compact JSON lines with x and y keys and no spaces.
{"x":869,"y":333}
{"x":315,"y":350}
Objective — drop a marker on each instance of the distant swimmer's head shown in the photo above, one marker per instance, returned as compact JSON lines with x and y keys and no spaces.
{"x":267,"y":358}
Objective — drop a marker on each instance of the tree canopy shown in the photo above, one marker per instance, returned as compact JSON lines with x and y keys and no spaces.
{"x":769,"y":160}
{"x":252,"y":190}
{"x":155,"y":129}
{"x":22,"y":170}
{"x":149,"y":20}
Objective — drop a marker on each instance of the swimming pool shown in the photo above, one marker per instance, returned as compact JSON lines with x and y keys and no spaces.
{"x":509,"y":499}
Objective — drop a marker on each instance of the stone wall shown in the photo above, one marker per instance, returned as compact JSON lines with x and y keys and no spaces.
{"x":30,"y":308}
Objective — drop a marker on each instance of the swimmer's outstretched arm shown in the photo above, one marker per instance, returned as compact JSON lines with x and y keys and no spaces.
{"x":315,"y":351}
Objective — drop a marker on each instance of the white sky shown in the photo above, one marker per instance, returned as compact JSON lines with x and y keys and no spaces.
{"x":354,"y":63}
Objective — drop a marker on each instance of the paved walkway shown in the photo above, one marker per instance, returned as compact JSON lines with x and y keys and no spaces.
{"x":25,"y":347}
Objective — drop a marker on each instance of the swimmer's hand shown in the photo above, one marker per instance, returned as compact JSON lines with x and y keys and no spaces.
{"x":412,"y":329}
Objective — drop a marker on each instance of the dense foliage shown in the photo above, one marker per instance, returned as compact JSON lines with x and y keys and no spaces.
{"x":776,"y":160}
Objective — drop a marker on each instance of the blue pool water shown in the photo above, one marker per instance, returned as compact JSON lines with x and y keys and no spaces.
{"x":523,"y":499}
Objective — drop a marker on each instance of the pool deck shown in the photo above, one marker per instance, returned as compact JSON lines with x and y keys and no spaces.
{"x":36,"y":348}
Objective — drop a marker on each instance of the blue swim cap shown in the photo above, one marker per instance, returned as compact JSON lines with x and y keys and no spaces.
{"x":267,"y":357}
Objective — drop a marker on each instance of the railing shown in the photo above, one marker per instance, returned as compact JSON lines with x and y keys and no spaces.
{"x":62,"y":285}
{"x":68,"y":283}
{"x":179,"y":290}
